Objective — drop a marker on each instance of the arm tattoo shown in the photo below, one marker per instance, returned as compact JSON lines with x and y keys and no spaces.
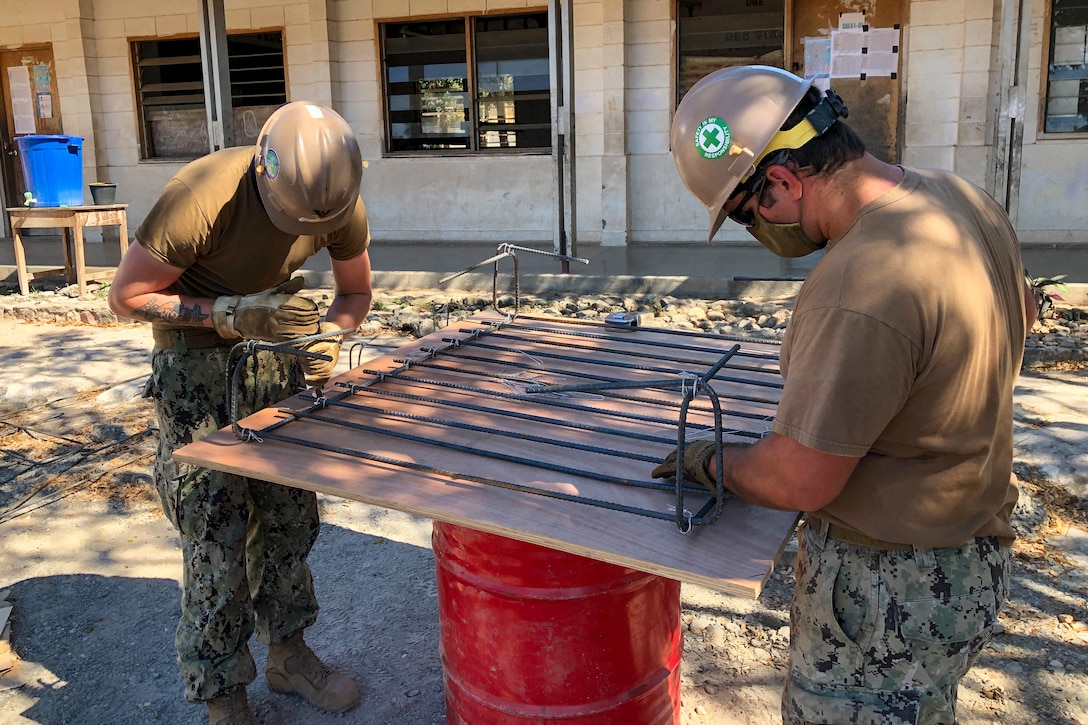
{"x":178,"y":314}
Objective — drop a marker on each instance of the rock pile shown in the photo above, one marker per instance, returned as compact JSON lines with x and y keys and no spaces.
{"x":1061,"y":337}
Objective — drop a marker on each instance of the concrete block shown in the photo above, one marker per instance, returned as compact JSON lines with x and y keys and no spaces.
{"x":238,"y":19}
{"x":975,"y":109}
{"x":649,"y":31}
{"x":11,"y":37}
{"x":295,"y":35}
{"x":355,"y":30}
{"x":640,"y":11}
{"x":937,"y":12}
{"x":391,"y":9}
{"x":650,"y":76}
{"x":296,"y":14}
{"x":931,"y":134}
{"x":138,"y":27}
{"x":588,"y":36}
{"x":930,"y":157}
{"x":973,"y":134}
{"x":115,"y":85}
{"x":641,"y":143}
{"x":976,"y":58}
{"x":267,"y":17}
{"x":493,"y":5}
{"x":978,"y":33}
{"x":299,"y":55}
{"x":978,"y":10}
{"x":38,"y":33}
{"x":976,"y":83}
{"x":649,"y":99}
{"x":650,"y":54}
{"x":614,"y":32}
{"x":936,"y":37}
{"x":934,"y":68}
{"x":168,"y":25}
{"x":587,"y":14}
{"x":114,"y":66}
{"x":938,"y":110}
{"x":424,"y":7}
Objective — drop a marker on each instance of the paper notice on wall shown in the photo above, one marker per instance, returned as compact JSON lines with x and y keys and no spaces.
{"x":818,"y":61}
{"x":45,"y":105}
{"x":22,"y":99}
{"x":866,"y":53}
{"x":851,"y":21}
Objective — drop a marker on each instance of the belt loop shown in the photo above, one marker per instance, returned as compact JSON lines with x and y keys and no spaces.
{"x":819,"y":528}
{"x":923,"y":557}
{"x":179,"y":342}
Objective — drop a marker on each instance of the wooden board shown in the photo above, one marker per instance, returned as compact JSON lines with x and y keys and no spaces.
{"x":453,"y":436}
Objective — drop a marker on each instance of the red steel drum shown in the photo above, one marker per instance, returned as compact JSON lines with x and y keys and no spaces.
{"x":534,"y":635}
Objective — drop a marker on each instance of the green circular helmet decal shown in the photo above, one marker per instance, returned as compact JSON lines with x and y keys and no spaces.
{"x":712,"y":138}
{"x":271,"y":164}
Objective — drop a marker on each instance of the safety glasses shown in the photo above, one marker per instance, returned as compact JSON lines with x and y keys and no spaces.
{"x":746,"y":192}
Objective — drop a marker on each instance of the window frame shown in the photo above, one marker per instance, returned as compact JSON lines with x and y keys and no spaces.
{"x":474,"y":149}
{"x":1044,"y":85}
{"x":195,"y":99}
{"x":678,"y":16}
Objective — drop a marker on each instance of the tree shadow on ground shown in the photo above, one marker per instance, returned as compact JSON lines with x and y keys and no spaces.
{"x":101,"y":648}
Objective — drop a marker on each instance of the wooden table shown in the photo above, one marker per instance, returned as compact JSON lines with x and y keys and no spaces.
{"x":444,"y":428}
{"x":71,"y":220}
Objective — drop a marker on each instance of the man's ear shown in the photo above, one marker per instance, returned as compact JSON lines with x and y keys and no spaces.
{"x":786,"y":178}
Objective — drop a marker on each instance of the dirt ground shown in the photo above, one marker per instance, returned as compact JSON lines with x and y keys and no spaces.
{"x":92,"y":571}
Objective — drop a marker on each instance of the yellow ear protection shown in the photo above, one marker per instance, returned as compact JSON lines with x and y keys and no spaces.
{"x":816,"y":122}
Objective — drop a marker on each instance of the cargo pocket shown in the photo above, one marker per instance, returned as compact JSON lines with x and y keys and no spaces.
{"x":805,"y":702}
{"x":957,"y":619}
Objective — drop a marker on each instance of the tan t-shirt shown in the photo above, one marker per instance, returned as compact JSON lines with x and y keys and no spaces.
{"x":209,"y":221}
{"x":903,"y":349}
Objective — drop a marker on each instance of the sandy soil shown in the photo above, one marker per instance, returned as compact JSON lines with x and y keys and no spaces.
{"x":92,"y":570}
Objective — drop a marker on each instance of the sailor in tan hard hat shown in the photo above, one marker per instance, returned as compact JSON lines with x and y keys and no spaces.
{"x":894,"y":429}
{"x":212,"y":266}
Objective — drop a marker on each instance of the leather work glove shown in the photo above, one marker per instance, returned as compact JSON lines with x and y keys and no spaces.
{"x":274,"y":315}
{"x":696,"y":456}
{"x":318,"y":372}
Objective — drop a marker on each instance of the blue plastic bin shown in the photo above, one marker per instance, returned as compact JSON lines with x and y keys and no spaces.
{"x":52,"y":169}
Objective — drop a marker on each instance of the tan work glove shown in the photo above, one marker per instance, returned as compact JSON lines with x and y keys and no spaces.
{"x":318,"y":372}
{"x":696,"y":456}
{"x":274,"y":315}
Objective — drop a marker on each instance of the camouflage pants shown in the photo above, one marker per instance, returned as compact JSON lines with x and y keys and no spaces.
{"x":885,"y":636}
{"x":244,"y":541}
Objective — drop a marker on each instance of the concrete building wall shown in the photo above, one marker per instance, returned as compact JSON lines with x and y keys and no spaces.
{"x":624,"y":51}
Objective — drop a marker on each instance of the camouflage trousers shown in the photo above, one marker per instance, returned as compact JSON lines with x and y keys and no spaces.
{"x":244,"y":541}
{"x":886,"y":636}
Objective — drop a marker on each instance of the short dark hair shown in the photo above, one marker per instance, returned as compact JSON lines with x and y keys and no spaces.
{"x":827,"y":153}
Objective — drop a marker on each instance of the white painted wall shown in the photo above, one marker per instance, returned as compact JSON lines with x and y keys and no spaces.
{"x":628,"y":188}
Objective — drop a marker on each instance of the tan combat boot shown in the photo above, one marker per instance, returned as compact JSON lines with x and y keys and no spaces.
{"x":293,"y":668}
{"x":231,"y":708}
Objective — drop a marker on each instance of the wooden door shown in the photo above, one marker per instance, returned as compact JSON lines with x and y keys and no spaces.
{"x":31,"y":106}
{"x":873,"y":99}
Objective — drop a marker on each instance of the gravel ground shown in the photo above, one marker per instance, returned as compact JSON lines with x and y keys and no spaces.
{"x":92,"y":568}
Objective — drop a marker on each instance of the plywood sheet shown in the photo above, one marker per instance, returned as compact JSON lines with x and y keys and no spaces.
{"x":445,"y":428}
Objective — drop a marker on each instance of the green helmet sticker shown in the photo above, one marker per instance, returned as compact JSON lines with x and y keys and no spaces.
{"x":712,"y":138}
{"x":271,"y":164}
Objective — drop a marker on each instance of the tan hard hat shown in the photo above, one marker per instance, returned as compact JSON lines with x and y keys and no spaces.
{"x":727,"y":123}
{"x":308,"y":168}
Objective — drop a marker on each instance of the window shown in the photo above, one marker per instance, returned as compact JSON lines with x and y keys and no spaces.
{"x":714,"y":34}
{"x":467,"y":84}
{"x":170,"y":91}
{"x":1067,"y":73}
